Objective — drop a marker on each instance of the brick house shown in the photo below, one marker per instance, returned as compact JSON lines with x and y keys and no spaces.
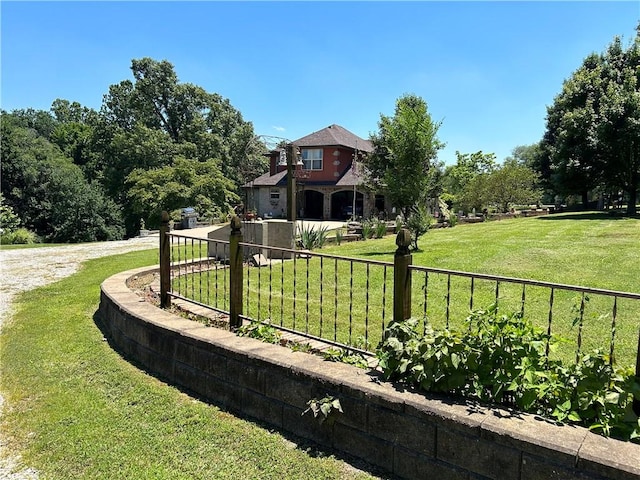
{"x":326,"y":179}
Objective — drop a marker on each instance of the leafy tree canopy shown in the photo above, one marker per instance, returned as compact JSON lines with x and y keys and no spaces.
{"x":457,"y":177}
{"x":186,"y":114}
{"x":186,"y":182}
{"x":48,"y":192}
{"x":404,"y":153}
{"x":510,"y":184}
{"x":592,"y":137}
{"x":156,"y":122}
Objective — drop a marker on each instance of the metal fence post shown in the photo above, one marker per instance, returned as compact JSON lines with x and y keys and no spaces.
{"x":402,"y":277}
{"x":235,"y":274}
{"x":165,"y":262}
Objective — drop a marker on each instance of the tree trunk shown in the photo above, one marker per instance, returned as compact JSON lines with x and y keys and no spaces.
{"x":633,"y":199}
{"x":585,"y":200}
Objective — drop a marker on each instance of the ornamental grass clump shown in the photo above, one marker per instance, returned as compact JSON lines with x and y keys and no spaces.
{"x":502,"y":359}
{"x":310,"y":237}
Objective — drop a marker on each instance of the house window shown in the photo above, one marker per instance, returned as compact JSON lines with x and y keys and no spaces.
{"x":312,"y":159}
{"x":274,"y":195}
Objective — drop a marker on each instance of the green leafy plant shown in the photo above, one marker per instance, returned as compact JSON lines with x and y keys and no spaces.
{"x":310,"y":237}
{"x":501,"y":358}
{"x":323,"y":408}
{"x":260,"y":331}
{"x":380,"y":228}
{"x":399,"y":224}
{"x":418,"y":223}
{"x":9,"y":221}
{"x":345,"y":356}
{"x":20,"y":236}
{"x":300,"y":347}
{"x":339,"y":236}
{"x":367,"y":229}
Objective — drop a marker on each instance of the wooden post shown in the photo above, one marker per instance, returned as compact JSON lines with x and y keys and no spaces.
{"x":291,"y":184}
{"x":402,"y":277}
{"x":235,"y":274}
{"x":165,"y":261}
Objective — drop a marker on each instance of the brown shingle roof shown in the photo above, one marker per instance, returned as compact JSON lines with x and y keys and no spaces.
{"x":334,"y":135}
{"x":266,"y":180}
{"x":350,"y":178}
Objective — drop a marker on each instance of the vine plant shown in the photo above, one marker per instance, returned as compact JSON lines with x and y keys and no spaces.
{"x":501,"y":359}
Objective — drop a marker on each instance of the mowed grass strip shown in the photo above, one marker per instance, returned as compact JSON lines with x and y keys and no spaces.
{"x":351,"y":302}
{"x":75,"y":409}
{"x":587,"y":249}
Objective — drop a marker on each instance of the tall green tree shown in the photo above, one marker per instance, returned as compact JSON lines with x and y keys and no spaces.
{"x":533,"y":157}
{"x":186,"y":182}
{"x":403,"y":163}
{"x":457,"y":177}
{"x":155,"y":120}
{"x":75,"y":133}
{"x":48,"y":192}
{"x":512,"y":183}
{"x":571,"y":140}
{"x":619,"y":129}
{"x":187,"y":114}
{"x":592,"y":137}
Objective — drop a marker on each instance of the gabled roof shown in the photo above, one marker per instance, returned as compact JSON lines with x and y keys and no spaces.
{"x":334,"y":135}
{"x":267,"y":180}
{"x":350,"y":178}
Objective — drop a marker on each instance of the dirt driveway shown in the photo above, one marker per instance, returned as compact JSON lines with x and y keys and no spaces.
{"x":26,"y":268}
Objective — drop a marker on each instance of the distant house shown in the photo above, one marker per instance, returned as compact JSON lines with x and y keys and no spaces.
{"x":326,"y":179}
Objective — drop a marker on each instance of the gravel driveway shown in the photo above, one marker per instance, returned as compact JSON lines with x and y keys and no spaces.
{"x":27,"y":268}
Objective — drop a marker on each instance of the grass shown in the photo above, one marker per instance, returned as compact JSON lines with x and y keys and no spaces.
{"x":588,"y":249}
{"x":75,"y":409}
{"x":4,"y":246}
{"x":593,"y":250}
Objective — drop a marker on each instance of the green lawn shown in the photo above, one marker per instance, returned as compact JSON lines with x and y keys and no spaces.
{"x":585,"y":249}
{"x":591,"y":250}
{"x":75,"y":409}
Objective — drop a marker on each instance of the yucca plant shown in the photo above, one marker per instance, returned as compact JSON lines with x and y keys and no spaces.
{"x":310,"y":238}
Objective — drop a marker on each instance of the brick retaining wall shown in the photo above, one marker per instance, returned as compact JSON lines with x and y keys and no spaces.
{"x":405,"y":433}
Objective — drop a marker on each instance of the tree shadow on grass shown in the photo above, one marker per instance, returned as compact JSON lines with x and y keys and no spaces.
{"x":378,"y":254}
{"x":612,"y":215}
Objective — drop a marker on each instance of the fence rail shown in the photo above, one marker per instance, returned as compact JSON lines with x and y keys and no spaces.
{"x":348,"y":302}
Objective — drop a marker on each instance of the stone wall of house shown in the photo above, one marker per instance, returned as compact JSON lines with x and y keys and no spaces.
{"x":408,"y":434}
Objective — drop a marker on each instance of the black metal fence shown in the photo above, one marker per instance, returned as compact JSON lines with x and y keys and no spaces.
{"x":348,"y":301}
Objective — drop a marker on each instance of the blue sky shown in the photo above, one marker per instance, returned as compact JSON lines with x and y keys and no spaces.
{"x":487,"y":70}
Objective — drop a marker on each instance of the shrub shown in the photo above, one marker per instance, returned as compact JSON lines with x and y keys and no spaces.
{"x":20,"y":236}
{"x":345,"y":356}
{"x":339,"y":236}
{"x":502,"y":359}
{"x":9,"y":221}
